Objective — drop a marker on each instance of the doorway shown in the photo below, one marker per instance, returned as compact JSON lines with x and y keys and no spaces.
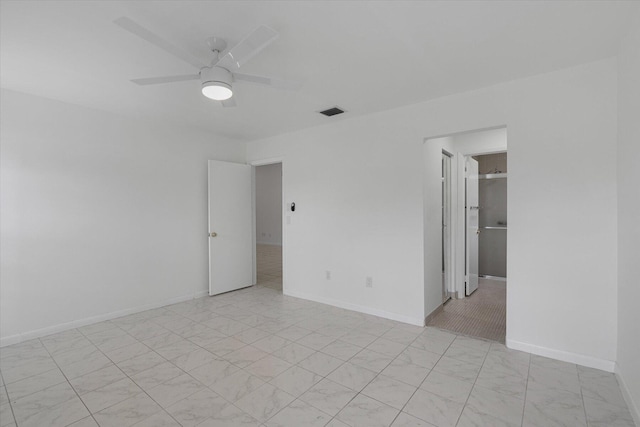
{"x":473,"y":230}
{"x":268,"y":225}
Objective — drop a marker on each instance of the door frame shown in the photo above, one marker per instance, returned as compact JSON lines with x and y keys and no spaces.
{"x":458,"y":235}
{"x":254,"y":164}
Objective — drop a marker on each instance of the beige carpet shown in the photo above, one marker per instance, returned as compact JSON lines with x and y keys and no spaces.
{"x":269,"y":263}
{"x":483,"y":314}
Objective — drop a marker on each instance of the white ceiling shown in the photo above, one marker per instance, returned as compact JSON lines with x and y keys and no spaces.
{"x":362,"y":56}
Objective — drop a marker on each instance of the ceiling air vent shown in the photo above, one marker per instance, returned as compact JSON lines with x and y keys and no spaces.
{"x":332,"y":111}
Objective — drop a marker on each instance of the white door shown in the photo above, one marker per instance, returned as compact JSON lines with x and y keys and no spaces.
{"x":230,"y":227}
{"x":472,"y":220}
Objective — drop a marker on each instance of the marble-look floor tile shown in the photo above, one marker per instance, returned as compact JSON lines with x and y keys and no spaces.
{"x":293,"y":333}
{"x":174,"y":390}
{"x":293,"y":353}
{"x":251,"y":335}
{"x":508,"y":363}
{"x":97,"y":379}
{"x":501,"y":383}
{"x":363,"y":411}
{"x":85,"y":422}
{"x":271,"y":343}
{"x":237,"y":385}
{"x":194,"y":359}
{"x":434,"y":409}
{"x":159,"y":419}
{"x":458,"y":369}
{"x":268,"y":367}
{"x":127,"y":352}
{"x":448,"y":387}
{"x":553,"y":408}
{"x":177,"y":349}
{"x":224,"y":346}
{"x":386,"y":347}
{"x":196,"y":408}
{"x":465,"y":354}
{"x":506,"y":408}
{"x":320,"y":363}
{"x":141,"y":363}
{"x":245,"y":356}
{"x":600,"y":385}
{"x":230,"y":416}
{"x":33,"y":384}
{"x":156,"y":375}
{"x":163,"y":340}
{"x":341,"y":350}
{"x":28,"y":369}
{"x":472,"y":418}
{"x":603,"y":414}
{"x":296,"y":380}
{"x":554,"y":378}
{"x":352,"y":376}
{"x":60,"y":415}
{"x":128,"y":412}
{"x":390,"y":391}
{"x":26,"y":406}
{"x":361,"y":339}
{"x":297,"y":414}
{"x":213,"y":371}
{"x":423,"y":358}
{"x":315,"y":340}
{"x":372,"y":360}
{"x":264,"y":402}
{"x":328,"y":396}
{"x":110,"y":394}
{"x":406,"y":372}
{"x":405,"y":420}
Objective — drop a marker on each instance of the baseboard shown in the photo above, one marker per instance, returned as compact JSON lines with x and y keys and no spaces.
{"x":565,"y":356}
{"x":433,"y":314}
{"x":268,"y":243}
{"x":358,"y":308}
{"x":633,"y":407}
{"x":25,"y":336}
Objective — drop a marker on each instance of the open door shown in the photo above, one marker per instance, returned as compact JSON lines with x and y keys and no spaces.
{"x":472,"y":211}
{"x":230,"y":227}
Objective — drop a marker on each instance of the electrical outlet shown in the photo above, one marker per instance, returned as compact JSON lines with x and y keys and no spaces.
{"x":328,"y":274}
{"x":369,"y":282}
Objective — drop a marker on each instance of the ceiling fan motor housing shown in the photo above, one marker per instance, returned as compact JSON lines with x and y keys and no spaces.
{"x":210,"y":75}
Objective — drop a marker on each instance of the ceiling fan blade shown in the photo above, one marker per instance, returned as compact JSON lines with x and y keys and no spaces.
{"x":229,"y":103}
{"x":268,"y":81}
{"x":168,"y":79}
{"x":248,"y":47}
{"x":137,"y":29}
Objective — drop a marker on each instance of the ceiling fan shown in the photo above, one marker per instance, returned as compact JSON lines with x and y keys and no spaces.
{"x":217,"y":78}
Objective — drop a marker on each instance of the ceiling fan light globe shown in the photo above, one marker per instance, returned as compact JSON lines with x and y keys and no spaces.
{"x":218,"y":91}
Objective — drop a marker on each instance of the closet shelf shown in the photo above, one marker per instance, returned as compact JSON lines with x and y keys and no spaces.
{"x":501,"y":227}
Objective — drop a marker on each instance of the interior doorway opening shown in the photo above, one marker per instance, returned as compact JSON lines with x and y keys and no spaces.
{"x":473,"y":229}
{"x":268,"y":225}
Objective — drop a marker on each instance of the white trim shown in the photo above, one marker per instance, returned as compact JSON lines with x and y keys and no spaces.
{"x":361,"y":309}
{"x":269,"y":161}
{"x":633,"y":407}
{"x":25,"y":336}
{"x":565,"y":356}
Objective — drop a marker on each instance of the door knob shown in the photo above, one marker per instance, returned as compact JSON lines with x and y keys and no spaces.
{"x":478,"y":231}
{"x":213,"y":234}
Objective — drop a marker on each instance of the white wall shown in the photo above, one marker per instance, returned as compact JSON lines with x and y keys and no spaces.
{"x":358,"y":188}
{"x":628,"y":215}
{"x":100,"y":214}
{"x":269,"y":204}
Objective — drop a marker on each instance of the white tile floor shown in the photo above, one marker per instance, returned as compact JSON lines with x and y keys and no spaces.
{"x":257,"y":358}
